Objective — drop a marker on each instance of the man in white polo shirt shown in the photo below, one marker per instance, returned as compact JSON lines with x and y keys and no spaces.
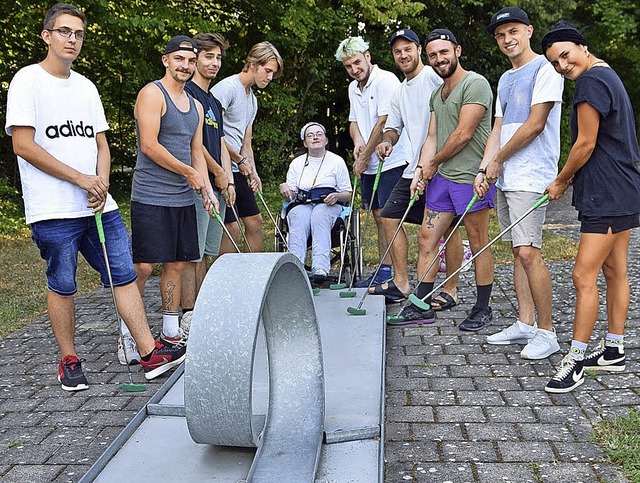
{"x":369,"y":95}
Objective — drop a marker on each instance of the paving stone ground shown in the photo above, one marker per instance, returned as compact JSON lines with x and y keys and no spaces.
{"x":458,"y":409}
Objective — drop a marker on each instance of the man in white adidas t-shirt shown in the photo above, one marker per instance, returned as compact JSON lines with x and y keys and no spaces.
{"x":57,"y":125}
{"x":522,"y":156}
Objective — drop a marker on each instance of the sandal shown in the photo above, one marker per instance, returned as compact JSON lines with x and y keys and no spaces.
{"x":392,"y":294}
{"x":446,"y":302}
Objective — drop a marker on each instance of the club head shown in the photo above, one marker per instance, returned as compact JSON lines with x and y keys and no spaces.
{"x":337,"y":286}
{"x":356,"y":311}
{"x":129,"y":387}
{"x":347,"y":294}
{"x":418,"y":302}
{"x":394,"y":319}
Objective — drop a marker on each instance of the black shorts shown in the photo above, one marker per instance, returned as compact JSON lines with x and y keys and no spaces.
{"x":398,"y":201}
{"x":246,"y":204}
{"x":601,"y":224}
{"x":161,"y":234}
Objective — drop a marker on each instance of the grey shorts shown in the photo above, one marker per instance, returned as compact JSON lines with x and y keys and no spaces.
{"x":512,"y":205}
{"x":209,"y":229}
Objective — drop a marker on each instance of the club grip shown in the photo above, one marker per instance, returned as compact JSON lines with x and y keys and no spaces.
{"x":472,"y":202}
{"x":540,"y":201}
{"x":378,"y":173}
{"x":99,"y":226}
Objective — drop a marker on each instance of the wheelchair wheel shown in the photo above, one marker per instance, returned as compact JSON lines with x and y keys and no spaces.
{"x":278,"y":244}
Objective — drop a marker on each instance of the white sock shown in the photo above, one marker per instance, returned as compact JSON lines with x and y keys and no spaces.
{"x":170,"y":324}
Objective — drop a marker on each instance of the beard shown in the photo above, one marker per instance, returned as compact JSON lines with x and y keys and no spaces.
{"x":453,"y":65}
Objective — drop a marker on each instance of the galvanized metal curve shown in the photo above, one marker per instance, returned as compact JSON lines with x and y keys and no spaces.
{"x":238,"y":292}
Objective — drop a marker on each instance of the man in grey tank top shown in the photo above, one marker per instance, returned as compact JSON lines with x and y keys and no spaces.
{"x":170,"y":165}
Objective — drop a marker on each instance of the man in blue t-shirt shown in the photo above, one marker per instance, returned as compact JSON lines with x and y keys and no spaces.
{"x":211,"y":48}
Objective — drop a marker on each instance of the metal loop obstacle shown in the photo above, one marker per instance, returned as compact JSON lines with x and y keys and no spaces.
{"x":240,"y":291}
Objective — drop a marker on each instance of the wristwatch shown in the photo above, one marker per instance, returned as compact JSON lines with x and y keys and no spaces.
{"x":482,"y":170}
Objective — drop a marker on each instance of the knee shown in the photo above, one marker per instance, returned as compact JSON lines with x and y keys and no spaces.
{"x":527,"y":255}
{"x":426,"y":241}
{"x":143,"y":270}
{"x":253,"y":222}
{"x":583,"y":279}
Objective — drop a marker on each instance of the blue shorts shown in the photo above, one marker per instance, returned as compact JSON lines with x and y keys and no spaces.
{"x":388,"y":180}
{"x":59,"y":242}
{"x":450,"y":197}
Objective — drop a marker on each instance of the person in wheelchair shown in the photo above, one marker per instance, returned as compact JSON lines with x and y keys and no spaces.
{"x":317,"y":187}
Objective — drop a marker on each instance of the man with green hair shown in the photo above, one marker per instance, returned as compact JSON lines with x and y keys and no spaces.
{"x":369,"y":95}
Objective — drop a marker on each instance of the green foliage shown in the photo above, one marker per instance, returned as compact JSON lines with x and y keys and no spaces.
{"x":126,"y":37}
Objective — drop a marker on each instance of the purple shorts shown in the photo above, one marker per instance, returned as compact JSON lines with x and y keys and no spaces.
{"x":450,"y":197}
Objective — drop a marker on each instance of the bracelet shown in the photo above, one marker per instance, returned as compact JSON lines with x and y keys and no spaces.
{"x":482,"y":171}
{"x":231,"y":184}
{"x":419,"y":166}
{"x":242,"y":161}
{"x":387,"y":141}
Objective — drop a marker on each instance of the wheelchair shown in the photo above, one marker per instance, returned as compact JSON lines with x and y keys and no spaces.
{"x":353,"y":263}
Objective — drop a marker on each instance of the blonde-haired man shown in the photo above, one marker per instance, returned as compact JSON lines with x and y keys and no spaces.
{"x":369,"y":95}
{"x":240,"y":107}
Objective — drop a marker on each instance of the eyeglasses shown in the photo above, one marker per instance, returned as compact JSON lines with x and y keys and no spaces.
{"x":66,"y":33}
{"x":318,"y":134}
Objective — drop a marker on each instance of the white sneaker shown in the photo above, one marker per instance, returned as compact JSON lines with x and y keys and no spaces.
{"x":128,"y":346}
{"x":517,"y":333}
{"x":185,"y":323}
{"x":542,"y":345}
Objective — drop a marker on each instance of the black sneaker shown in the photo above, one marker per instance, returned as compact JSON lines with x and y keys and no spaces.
{"x":605,"y":359}
{"x":70,"y":374}
{"x":163,"y":358}
{"x":569,"y":376}
{"x":414,"y":315}
{"x":478,"y":319}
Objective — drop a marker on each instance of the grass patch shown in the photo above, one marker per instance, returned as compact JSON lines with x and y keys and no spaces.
{"x":23,"y":283}
{"x":620,"y":439}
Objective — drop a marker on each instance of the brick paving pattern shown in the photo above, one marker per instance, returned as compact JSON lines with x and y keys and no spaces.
{"x":458,"y":409}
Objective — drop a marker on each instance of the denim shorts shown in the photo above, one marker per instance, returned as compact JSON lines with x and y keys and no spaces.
{"x":449,"y":197}
{"x":388,"y":180}
{"x":59,"y":242}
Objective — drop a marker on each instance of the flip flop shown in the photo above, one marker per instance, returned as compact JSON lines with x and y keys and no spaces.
{"x":446,"y":303}
{"x":392,"y":294}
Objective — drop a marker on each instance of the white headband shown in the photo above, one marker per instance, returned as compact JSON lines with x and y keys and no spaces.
{"x":308,"y":125}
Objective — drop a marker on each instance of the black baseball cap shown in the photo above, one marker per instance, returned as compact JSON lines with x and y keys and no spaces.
{"x":507,"y":15}
{"x":406,"y":34}
{"x":441,"y":34}
{"x":175,"y":44}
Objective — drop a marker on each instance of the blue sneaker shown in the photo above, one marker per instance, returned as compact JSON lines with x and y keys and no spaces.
{"x":385,"y":274}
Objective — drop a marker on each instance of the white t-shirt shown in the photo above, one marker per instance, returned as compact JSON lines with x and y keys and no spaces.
{"x":306,"y":172}
{"x":535,"y":166}
{"x":240,"y":110}
{"x":368,"y":105}
{"x":409,"y":112}
{"x":67,"y":115}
